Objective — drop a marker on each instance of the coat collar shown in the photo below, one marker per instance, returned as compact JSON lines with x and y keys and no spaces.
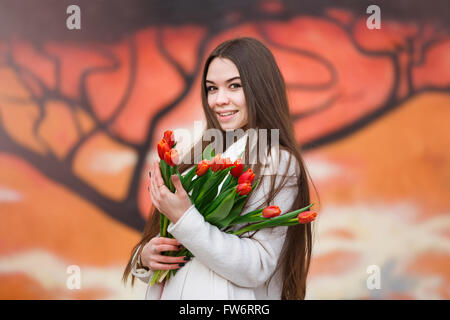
{"x":236,"y":149}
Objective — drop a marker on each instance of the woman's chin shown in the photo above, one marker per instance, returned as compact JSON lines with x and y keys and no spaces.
{"x":228,"y":127}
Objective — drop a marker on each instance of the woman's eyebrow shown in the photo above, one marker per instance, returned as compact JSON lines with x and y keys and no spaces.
{"x":229,"y":80}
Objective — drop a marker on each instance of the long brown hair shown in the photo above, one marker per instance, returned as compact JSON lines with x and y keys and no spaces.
{"x":265,"y":93}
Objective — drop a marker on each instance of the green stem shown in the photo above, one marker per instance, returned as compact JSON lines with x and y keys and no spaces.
{"x":254,"y":216}
{"x":155,"y":277}
{"x":165,"y":224}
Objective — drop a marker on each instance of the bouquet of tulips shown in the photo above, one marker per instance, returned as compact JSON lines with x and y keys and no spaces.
{"x":222,"y":209}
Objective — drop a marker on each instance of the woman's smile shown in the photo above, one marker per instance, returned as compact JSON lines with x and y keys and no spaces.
{"x":226,"y":116}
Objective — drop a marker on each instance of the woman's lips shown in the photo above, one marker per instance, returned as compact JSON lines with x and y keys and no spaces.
{"x":228,"y":117}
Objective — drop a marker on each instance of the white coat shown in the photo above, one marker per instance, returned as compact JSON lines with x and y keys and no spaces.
{"x":226,"y":266}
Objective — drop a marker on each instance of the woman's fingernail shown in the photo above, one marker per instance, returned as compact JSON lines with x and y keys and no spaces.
{"x":181,"y":264}
{"x":179,"y":247}
{"x":150,"y":174}
{"x":187,"y":258}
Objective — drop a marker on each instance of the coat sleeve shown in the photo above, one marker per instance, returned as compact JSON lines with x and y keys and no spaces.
{"x":247,"y":262}
{"x":139,"y":272}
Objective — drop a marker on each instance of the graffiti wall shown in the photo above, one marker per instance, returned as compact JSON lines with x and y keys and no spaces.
{"x":83,"y":106}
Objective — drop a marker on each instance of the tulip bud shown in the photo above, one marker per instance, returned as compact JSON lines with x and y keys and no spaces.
{"x":163,"y":147}
{"x":171,"y":157}
{"x":237,"y":170}
{"x":307,"y":216}
{"x":169,"y":137}
{"x":247,"y":176}
{"x":243,"y":188}
{"x":203,"y":167}
{"x":271,"y":212}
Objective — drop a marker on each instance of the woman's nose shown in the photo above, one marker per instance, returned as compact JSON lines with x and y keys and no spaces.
{"x":221,"y":98}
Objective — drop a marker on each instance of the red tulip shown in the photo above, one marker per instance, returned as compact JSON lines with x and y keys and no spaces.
{"x":247,"y":176}
{"x":202,"y":167}
{"x":307,"y":216}
{"x":169,"y":137}
{"x":243,"y":188}
{"x":227,"y":163}
{"x":271,"y":212}
{"x":163,"y":147}
{"x":171,"y":157}
{"x":216,"y":163}
{"x":237,"y":170}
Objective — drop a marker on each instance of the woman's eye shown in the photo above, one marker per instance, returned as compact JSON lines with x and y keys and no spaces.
{"x":211,"y":88}
{"x":236,"y":85}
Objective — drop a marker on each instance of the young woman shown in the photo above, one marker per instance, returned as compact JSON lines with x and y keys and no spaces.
{"x":240,"y":76}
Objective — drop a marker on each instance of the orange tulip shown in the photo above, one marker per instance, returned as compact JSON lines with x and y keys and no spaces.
{"x":202,"y":167}
{"x":307,"y":216}
{"x":271,"y":212}
{"x":247,"y":176}
{"x":243,"y":188}
{"x":171,"y":157}
{"x":163,"y":147}
{"x":237,"y":170}
{"x":170,"y":138}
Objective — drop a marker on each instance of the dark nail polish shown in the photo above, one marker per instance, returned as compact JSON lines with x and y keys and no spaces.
{"x":149,"y":174}
{"x":181,"y":264}
{"x":179,"y":247}
{"x":187,"y":258}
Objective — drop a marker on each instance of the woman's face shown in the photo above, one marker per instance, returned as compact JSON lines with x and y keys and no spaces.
{"x":225,"y":94}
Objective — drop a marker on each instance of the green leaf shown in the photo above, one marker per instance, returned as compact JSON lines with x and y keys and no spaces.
{"x":222,"y":210}
{"x":211,"y":184}
{"x":208,"y":152}
{"x":249,"y":217}
{"x":230,"y":181}
{"x":235,"y":211}
{"x":211,"y":194}
{"x":199,"y":182}
{"x":214,"y":204}
{"x":186,"y":180}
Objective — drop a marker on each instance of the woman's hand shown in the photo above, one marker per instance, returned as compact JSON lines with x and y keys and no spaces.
{"x":151,"y":254}
{"x":172,"y":205}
